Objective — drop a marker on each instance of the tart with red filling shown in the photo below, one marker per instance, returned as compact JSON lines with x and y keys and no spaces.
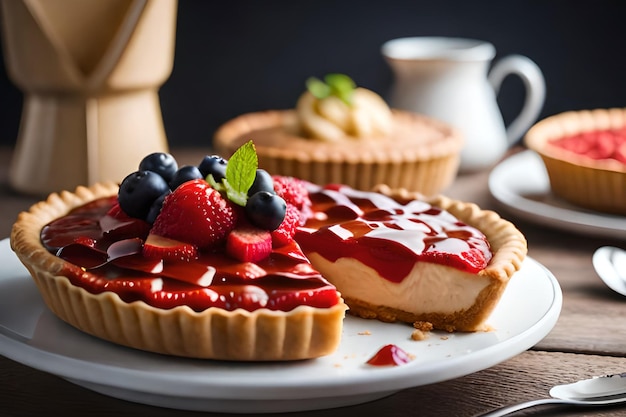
{"x":213,"y":262}
{"x":584,"y":153}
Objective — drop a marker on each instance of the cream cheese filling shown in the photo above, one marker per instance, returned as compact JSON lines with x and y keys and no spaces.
{"x":428,"y":288}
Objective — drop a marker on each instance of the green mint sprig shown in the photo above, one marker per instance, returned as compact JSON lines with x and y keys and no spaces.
{"x":338,"y":85}
{"x":240,"y":174}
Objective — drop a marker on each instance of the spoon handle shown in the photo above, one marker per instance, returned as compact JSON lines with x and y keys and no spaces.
{"x":510,"y":409}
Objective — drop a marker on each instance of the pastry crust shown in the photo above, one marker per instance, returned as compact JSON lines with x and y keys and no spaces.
{"x":483,"y":290}
{"x":586,"y":182}
{"x":261,"y":335}
{"x":421,"y":154}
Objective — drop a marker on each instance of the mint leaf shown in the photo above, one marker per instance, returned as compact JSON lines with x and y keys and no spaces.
{"x":234,"y":195}
{"x":240,"y":173}
{"x":318,"y":88}
{"x":338,"y":85}
{"x":341,"y":86}
{"x":214,"y":184}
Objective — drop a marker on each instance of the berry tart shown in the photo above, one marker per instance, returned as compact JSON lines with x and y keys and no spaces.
{"x":584,"y":153}
{"x":170,"y":263}
{"x":342,"y":134}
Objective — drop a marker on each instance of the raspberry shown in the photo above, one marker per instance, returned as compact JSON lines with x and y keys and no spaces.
{"x":195,"y":213}
{"x":292,"y":190}
{"x":287,"y":229}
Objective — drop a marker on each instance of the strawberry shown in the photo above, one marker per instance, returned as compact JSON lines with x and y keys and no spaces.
{"x":249,"y":244}
{"x":286,"y":300}
{"x":195,"y":213}
{"x":129,"y":290}
{"x":287,"y":229}
{"x":157,"y":246}
{"x":85,"y":241}
{"x":292,"y":190}
{"x":116,"y":212}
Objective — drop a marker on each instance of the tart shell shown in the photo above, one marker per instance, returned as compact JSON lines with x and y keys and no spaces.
{"x":261,"y":335}
{"x":421,"y":155}
{"x":585,"y":182}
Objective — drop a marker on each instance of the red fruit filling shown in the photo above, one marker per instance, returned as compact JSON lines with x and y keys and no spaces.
{"x":599,"y":144}
{"x":107,"y":251}
{"x":388,"y":236}
{"x":281,"y":281}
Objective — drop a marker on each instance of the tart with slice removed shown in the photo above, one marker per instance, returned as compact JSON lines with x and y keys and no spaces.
{"x":201,"y":279}
{"x":258,"y":269}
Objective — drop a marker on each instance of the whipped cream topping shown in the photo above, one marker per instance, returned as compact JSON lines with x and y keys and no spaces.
{"x":331,"y":119}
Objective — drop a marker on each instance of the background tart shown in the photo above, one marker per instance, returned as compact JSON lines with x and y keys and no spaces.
{"x":448,"y":297}
{"x":420,"y":154}
{"x":580,"y":178}
{"x":263,"y":334}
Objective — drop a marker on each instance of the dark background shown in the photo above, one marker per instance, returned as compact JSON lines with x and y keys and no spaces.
{"x":241,"y":56}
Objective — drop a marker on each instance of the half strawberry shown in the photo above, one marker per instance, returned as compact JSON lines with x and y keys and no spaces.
{"x":157,"y":246}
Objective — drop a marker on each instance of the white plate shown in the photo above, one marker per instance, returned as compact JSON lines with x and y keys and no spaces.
{"x":520,"y":183}
{"x":32,"y":335}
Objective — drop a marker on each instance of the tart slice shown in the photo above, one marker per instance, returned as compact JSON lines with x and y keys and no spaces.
{"x":394,"y":256}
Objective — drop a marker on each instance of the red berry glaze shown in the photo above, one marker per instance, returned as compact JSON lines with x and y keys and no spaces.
{"x":281,"y":281}
{"x":388,"y":236}
{"x":389,"y":355}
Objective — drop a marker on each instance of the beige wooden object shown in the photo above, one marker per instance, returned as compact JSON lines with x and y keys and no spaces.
{"x":90,"y":72}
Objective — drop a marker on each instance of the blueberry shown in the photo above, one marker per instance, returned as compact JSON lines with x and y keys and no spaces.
{"x":266,"y":210}
{"x":139,"y":190}
{"x":262,"y":182}
{"x":214,"y":165}
{"x":156,"y":206}
{"x":184,"y":174}
{"x":162,"y":163}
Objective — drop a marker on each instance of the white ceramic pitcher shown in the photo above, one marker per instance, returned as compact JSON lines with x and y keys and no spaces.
{"x":450,"y":79}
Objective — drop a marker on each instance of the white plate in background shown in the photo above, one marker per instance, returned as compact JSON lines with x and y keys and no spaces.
{"x":520,"y":183}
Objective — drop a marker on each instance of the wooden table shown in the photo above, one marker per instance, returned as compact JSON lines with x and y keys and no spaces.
{"x":588,"y":340}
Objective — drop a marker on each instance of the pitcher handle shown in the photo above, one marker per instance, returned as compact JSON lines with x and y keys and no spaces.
{"x":534,"y":84}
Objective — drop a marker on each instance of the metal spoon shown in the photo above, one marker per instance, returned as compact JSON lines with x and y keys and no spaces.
{"x":597,"y":391}
{"x":610,"y":264}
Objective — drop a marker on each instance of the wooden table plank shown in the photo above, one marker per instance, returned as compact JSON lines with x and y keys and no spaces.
{"x":27,"y":392}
